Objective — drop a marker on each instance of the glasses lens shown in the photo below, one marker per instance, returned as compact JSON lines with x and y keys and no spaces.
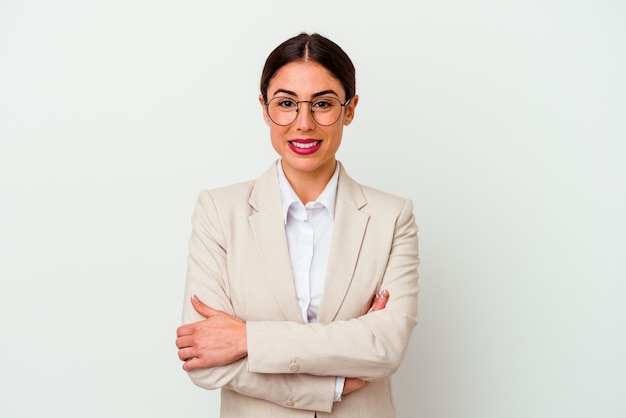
{"x":326,"y":111}
{"x":284,"y":111}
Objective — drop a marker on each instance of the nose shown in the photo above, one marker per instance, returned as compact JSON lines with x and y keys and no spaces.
{"x":304,"y":118}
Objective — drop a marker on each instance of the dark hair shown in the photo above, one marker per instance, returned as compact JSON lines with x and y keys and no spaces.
{"x":316,"y":48}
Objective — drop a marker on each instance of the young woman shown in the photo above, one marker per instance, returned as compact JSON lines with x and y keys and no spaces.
{"x":301,"y":290}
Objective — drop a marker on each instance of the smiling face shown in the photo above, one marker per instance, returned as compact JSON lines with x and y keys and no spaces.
{"x":307,"y":149}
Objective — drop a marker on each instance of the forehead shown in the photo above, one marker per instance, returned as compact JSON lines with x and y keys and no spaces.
{"x":304,"y":78}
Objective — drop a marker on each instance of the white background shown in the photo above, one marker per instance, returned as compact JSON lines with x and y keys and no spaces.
{"x":504,"y":121}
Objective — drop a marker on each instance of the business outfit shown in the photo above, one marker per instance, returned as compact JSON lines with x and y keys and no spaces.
{"x":239,"y":262}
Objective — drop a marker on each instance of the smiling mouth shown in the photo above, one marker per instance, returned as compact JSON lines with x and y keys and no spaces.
{"x":304,"y":145}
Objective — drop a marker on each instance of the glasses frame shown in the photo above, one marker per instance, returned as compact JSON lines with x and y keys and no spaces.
{"x":310,"y":102}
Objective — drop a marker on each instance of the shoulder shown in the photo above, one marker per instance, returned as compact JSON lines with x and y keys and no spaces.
{"x":387,"y":207}
{"x":226,"y":203}
{"x":230,"y":193}
{"x":376,"y":196}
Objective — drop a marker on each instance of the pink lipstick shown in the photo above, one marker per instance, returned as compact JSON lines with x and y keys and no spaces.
{"x":304,"y":146}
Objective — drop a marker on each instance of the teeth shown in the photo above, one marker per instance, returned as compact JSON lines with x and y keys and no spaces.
{"x":304,"y":146}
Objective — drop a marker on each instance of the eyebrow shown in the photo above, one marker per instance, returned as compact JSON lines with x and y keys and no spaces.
{"x":321,"y":93}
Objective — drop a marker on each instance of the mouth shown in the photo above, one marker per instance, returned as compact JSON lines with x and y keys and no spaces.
{"x":304,"y":146}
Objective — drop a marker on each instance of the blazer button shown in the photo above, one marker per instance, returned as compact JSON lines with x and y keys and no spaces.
{"x":293,"y":367}
{"x":289,"y":403}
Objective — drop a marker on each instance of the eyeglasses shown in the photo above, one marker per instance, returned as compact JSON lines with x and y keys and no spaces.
{"x":326,"y":111}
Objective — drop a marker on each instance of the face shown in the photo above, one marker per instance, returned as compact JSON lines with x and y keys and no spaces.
{"x":307,"y":148}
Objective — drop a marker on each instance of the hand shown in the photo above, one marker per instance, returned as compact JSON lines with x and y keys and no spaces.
{"x":218,"y":340}
{"x":352,"y":383}
{"x":380,"y":301}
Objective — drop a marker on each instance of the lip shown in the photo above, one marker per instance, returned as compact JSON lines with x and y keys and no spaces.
{"x":304,"y":146}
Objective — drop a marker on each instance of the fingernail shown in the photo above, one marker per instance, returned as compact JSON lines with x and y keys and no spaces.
{"x":195,"y":299}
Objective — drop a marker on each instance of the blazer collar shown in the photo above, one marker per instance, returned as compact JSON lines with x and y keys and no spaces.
{"x":266,"y":192}
{"x":348,"y":233}
{"x":268,"y":229}
{"x":269,"y":232}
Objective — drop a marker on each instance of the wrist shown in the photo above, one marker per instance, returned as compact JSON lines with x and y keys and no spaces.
{"x":243,"y":341}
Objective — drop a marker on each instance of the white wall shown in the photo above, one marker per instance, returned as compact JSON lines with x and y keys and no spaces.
{"x":503,"y":121}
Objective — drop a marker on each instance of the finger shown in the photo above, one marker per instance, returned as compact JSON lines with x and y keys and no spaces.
{"x":184,"y":330}
{"x":188,"y":353}
{"x":201,"y":307}
{"x":192,"y":364}
{"x":183,"y":342}
{"x":371,"y":309}
{"x":380,"y":301}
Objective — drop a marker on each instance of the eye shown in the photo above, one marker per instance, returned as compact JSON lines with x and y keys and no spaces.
{"x":286,"y":103}
{"x":323,"y":104}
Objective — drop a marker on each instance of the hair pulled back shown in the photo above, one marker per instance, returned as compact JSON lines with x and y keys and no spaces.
{"x":315,"y":48}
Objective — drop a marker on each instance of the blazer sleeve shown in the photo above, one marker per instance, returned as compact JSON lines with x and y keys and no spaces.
{"x":369,"y":347}
{"x":207,"y":277}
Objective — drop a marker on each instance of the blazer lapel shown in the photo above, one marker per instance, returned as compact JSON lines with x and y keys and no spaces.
{"x":268,"y":229}
{"x":348,"y":232}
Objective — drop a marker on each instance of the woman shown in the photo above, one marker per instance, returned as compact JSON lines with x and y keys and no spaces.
{"x":284,"y":271}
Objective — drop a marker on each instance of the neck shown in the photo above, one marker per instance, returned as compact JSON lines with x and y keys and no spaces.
{"x":309,"y":185}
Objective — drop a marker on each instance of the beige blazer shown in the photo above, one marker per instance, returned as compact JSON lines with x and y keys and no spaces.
{"x":239,"y":263}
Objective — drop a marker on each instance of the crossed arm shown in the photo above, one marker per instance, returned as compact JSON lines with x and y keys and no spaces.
{"x":220,"y":339}
{"x":220,"y":351}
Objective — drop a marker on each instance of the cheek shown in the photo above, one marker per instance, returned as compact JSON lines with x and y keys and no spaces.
{"x":276,"y":134}
{"x":274,"y":130}
{"x":337,"y":133}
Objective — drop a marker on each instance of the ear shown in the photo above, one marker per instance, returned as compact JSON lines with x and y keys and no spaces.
{"x":265,"y":115}
{"x":350,"y":110}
